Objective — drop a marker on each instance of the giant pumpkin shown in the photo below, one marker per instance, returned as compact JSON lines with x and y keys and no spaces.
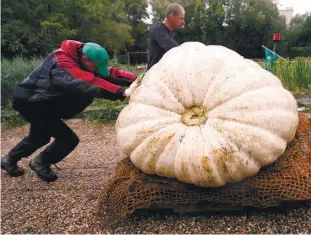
{"x":206,"y":116}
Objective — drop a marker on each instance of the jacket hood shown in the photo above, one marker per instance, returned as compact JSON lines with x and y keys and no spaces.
{"x":70,"y":47}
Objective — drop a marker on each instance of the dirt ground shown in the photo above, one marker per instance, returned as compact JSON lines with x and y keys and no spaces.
{"x":29,"y":205}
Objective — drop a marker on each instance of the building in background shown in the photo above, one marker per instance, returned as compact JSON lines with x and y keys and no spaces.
{"x":288,"y":12}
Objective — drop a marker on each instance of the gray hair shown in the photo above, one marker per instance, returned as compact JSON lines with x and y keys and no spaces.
{"x":174,"y":8}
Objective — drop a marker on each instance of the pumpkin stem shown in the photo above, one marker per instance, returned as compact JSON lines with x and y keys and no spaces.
{"x":194,"y":116}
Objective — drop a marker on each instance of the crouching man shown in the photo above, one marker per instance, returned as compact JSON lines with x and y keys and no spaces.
{"x":62,"y":86}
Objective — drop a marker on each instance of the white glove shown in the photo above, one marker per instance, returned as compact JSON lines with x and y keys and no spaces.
{"x":129,"y":91}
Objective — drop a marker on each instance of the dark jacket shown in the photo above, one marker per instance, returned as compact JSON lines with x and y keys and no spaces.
{"x":160,"y":41}
{"x":60,"y":83}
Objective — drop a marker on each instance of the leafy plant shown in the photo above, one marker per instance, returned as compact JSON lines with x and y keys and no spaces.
{"x":13,"y":72}
{"x":295,"y":75}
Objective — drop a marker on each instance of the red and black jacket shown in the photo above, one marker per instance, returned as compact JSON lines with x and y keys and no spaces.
{"x":60,"y":81}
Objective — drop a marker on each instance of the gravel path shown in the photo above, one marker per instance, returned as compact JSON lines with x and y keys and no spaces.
{"x":29,"y":205}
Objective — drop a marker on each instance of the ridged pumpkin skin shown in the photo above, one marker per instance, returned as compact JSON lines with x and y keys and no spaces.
{"x":206,"y":116}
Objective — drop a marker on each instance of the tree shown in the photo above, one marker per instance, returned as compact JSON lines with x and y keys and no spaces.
{"x":18,"y":31}
{"x":214,"y":24}
{"x":299,"y":36}
{"x":35,"y":27}
{"x":55,"y":29}
{"x":136,"y":11}
{"x":250,"y":24}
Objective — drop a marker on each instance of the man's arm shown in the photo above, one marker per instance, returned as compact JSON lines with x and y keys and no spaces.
{"x":83,"y":82}
{"x":120,"y":77}
{"x":121,"y":74}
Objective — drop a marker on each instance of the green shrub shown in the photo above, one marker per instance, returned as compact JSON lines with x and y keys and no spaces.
{"x":107,"y":103}
{"x":295,"y":75}
{"x":14,"y":120}
{"x":13,"y":72}
{"x":300,"y":51}
{"x":103,"y":115}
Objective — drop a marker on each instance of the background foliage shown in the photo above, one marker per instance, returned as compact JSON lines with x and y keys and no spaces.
{"x":36,"y":27}
{"x":33,"y":28}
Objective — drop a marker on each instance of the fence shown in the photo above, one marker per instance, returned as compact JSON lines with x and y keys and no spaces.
{"x":137,"y":57}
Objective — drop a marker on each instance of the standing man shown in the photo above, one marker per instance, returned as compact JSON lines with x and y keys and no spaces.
{"x":160,"y":36}
{"x":62,"y":86}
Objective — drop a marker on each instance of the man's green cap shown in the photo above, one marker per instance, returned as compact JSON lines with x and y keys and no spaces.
{"x":98,"y":55}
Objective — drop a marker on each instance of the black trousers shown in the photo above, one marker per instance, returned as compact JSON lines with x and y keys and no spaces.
{"x":44,"y":124}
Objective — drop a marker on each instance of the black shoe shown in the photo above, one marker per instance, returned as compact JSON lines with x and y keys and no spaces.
{"x":11,"y":167}
{"x":43,"y":170}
